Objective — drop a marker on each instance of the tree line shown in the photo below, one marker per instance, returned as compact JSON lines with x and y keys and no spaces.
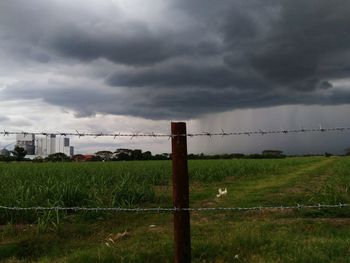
{"x":19,"y":154}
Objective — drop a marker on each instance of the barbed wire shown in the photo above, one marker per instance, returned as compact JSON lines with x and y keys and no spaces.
{"x":174,"y":209}
{"x":156,"y":135}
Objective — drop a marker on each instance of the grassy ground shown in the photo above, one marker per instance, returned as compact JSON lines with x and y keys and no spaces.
{"x":275,"y":236}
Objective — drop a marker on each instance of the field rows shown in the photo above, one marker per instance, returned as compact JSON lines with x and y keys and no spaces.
{"x":283,"y":236}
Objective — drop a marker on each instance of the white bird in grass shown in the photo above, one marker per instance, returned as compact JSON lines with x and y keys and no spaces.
{"x":221,"y":192}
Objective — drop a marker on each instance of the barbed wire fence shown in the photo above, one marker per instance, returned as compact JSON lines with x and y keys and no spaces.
{"x":222,"y":133}
{"x":115,"y":135}
{"x":174,"y":209}
{"x":181,"y":208}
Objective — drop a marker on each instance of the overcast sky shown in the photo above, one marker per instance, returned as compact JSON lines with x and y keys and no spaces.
{"x":133,"y":66}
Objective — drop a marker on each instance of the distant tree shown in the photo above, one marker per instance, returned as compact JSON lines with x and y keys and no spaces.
{"x":272,"y":153}
{"x":147,"y":155}
{"x":57,"y":157}
{"x":104,"y":155}
{"x":254,"y":156}
{"x":38,"y":159}
{"x":327,"y":154}
{"x":136,"y":155}
{"x":7,"y":158}
{"x":238,"y":155}
{"x":19,"y":153}
{"x":161,"y":157}
{"x":97,"y":158}
{"x":124,"y":157}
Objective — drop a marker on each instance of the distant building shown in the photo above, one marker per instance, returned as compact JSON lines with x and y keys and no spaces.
{"x":27,"y":142}
{"x":46,"y":146}
{"x":83,"y":157}
{"x":5,"y":153}
{"x":65,"y":148}
{"x":71,"y":151}
{"x":51,"y":144}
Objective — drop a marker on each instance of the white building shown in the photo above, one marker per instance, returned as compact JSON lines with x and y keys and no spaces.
{"x":51,"y":144}
{"x":26,"y":141}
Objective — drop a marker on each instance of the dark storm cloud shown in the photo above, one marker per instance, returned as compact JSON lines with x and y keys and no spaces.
{"x":209,"y":56}
{"x":185,"y":76}
{"x":86,"y":101}
{"x":74,"y":31}
{"x":140,"y":49}
{"x":300,"y":40}
{"x":289,"y":48}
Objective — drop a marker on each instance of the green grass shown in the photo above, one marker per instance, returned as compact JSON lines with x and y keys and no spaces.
{"x":277,"y":236}
{"x":114,"y":184}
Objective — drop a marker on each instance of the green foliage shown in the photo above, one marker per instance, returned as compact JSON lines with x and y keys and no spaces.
{"x":113,"y":183}
{"x":38,"y":159}
{"x":7,"y":158}
{"x":278,"y":236}
{"x":104,"y":155}
{"x":19,"y":153}
{"x":57,"y":157}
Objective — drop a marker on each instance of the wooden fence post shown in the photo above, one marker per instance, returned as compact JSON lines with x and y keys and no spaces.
{"x":182,"y":237}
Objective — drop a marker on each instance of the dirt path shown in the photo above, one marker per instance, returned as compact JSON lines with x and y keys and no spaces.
{"x":273,"y":189}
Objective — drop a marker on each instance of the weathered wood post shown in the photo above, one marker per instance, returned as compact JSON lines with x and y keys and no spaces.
{"x":182,"y":237}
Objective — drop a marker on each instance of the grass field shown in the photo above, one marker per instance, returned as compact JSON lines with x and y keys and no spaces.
{"x":275,"y":236}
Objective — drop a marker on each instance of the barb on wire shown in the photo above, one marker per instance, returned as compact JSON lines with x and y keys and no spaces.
{"x":99,"y":135}
{"x":81,"y":134}
{"x":223,"y":133}
{"x":116,"y":135}
{"x":170,"y":209}
{"x":201,"y":134}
